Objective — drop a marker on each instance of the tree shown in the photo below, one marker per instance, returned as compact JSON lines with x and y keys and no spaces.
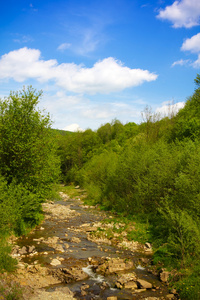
{"x":27,"y":148}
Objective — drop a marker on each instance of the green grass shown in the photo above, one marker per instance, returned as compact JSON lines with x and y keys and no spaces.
{"x":71,"y":191}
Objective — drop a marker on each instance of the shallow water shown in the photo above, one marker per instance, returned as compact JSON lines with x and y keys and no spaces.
{"x":78,"y":253}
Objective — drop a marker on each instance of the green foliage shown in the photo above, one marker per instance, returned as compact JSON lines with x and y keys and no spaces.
{"x":7,"y":263}
{"x":27,"y":148}
{"x":19,"y":208}
{"x":183,"y":234}
{"x":74,"y":150}
{"x":188,"y":285}
{"x":28,"y":168}
{"x":95,"y":174}
{"x":151,"y":169}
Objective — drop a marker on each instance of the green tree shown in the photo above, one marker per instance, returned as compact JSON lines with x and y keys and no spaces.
{"x":27,"y":147}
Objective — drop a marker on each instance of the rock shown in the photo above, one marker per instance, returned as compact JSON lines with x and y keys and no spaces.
{"x":127,"y":281}
{"x":58,"y":211}
{"x":173,"y":291}
{"x":164,"y":275}
{"x":114,"y":265}
{"x":68,"y":275}
{"x":170,"y":296}
{"x":130,"y":285}
{"x":152,"y":298}
{"x":143,"y":284}
{"x":148,"y":245}
{"x":75,"y":240}
{"x":59,"y":248}
{"x":15,"y":251}
{"x":85,"y":286}
{"x":139,"y":290}
{"x":21,"y":266}
{"x":104,"y":285}
{"x":31,"y":249}
{"x":148,"y":248}
{"x":144,"y":260}
{"x":90,"y":229}
{"x":66,"y":245}
{"x":23,"y":250}
{"x":55,"y":262}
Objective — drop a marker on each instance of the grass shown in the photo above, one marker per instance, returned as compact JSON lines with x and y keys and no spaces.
{"x":71,"y":191}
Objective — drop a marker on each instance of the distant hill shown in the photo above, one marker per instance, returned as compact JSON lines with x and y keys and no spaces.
{"x":61,"y":132}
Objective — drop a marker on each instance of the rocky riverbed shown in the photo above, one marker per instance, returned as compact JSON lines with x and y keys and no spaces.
{"x":74,"y":254}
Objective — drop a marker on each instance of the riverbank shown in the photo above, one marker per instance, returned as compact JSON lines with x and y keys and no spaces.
{"x":80,"y":252}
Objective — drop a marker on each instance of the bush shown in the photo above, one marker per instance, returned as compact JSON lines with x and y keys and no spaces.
{"x":27,"y":147}
{"x":20,"y":209}
{"x":181,"y":235}
{"x":7,"y":263}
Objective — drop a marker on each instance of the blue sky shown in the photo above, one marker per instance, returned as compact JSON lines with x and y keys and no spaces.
{"x":99,"y":60}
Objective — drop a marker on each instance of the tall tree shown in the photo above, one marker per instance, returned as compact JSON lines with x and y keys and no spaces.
{"x":27,"y":148}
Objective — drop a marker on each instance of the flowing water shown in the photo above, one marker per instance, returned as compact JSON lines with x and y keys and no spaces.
{"x":76,"y":254}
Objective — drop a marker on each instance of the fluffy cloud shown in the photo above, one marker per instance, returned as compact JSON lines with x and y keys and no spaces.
{"x":108,"y":75}
{"x":192,"y":44}
{"x":183,"y":13}
{"x":24,"y":63}
{"x":73,"y":127}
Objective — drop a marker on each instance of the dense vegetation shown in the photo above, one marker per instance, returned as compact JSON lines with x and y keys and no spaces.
{"x":28,"y":163}
{"x":150,"y":171}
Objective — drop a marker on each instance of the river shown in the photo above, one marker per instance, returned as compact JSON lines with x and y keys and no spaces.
{"x":75,"y":264}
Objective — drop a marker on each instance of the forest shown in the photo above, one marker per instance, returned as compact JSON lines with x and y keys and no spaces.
{"x":148,"y":172}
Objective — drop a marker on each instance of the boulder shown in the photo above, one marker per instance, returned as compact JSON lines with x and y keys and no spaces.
{"x":164,"y":275}
{"x":127,"y":281}
{"x":143,"y":284}
{"x":68,"y":275}
{"x":55,"y":262}
{"x":114,"y":265}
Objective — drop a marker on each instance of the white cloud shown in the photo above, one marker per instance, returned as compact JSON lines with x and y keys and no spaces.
{"x":168,"y":109}
{"x":73,"y":127}
{"x":96,"y":113}
{"x":196,"y":64}
{"x":181,"y":62}
{"x":25,"y":63}
{"x":182,"y":13}
{"x":192,"y":44}
{"x":108,"y":75}
{"x":64,"y":46}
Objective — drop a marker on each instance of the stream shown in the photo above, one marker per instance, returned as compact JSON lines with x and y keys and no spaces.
{"x":75,"y":251}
